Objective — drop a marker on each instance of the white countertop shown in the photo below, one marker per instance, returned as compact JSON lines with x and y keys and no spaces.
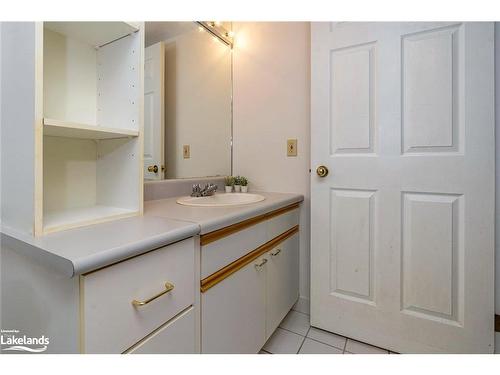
{"x":80,"y":250}
{"x":213,"y":218}
{"x":84,"y":249}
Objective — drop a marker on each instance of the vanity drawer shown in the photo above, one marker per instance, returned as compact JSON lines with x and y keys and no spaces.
{"x":176,"y":337}
{"x":111,"y":322}
{"x":225,"y":250}
{"x":281,"y":223}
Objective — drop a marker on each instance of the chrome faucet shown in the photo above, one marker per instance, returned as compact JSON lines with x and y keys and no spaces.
{"x":209,"y":189}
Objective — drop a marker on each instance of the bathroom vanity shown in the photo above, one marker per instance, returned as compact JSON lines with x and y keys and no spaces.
{"x":177,"y":280}
{"x":249,"y":259}
{"x":247,"y":294}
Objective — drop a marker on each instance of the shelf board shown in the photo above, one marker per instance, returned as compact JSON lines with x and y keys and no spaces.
{"x":94,"y":33}
{"x":57,"y":128}
{"x":71,"y":218}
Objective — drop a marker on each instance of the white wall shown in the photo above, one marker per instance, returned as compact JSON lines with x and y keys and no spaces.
{"x":271,"y":103}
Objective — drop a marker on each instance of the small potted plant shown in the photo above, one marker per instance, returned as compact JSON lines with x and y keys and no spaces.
{"x":229,"y":182}
{"x":237,"y":184}
{"x":244,"y":184}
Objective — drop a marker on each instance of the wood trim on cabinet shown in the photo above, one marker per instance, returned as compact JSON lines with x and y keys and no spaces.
{"x":238,"y":264}
{"x":497,"y":323}
{"x":215,"y":235}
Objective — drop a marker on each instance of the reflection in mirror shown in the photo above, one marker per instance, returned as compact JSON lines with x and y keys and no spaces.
{"x":187,"y":100}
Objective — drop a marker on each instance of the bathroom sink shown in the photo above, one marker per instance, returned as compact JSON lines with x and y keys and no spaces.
{"x":223,"y":199}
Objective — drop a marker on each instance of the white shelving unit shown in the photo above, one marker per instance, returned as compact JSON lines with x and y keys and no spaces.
{"x":59,"y":220}
{"x":56,"y":128}
{"x":95,"y":34}
{"x":82,"y":135}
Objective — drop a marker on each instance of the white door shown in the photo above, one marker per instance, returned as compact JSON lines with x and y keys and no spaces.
{"x":154,"y":114}
{"x":402,"y":116}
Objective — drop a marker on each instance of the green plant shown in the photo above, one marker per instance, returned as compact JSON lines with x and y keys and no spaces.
{"x":229,"y":180}
{"x":237,"y":180}
{"x":243,"y":181}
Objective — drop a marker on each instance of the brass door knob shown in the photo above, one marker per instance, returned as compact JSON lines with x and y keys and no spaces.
{"x":322,"y":171}
{"x":153,"y":168}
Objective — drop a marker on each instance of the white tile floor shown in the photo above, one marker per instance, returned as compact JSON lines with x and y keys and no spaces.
{"x":296,"y":336}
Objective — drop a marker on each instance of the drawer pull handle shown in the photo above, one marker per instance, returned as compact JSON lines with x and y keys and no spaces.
{"x":258,"y":265}
{"x":276,"y":252}
{"x":168,"y":288}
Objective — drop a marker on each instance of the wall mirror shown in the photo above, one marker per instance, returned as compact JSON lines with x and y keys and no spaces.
{"x":188,"y":100}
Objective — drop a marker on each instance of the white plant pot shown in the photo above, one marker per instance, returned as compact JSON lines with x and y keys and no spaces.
{"x":229,"y":189}
{"x":244,"y":189}
{"x":237,"y":188}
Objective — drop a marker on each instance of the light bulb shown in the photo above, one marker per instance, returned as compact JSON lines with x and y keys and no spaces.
{"x":231,"y":34}
{"x":217,"y":23}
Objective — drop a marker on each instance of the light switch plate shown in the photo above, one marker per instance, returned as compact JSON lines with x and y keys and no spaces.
{"x":186,"y":153}
{"x":291,"y":147}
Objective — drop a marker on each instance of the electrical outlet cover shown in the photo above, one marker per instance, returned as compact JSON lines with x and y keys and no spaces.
{"x":186,"y":152}
{"x":291,"y":147}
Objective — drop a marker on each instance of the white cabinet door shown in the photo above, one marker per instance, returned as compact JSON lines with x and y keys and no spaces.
{"x":402,"y":232}
{"x":233,"y":312}
{"x":282,"y":282}
{"x":176,"y":337}
{"x":154,"y":111}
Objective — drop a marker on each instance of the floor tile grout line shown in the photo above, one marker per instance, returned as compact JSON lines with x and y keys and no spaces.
{"x":324,"y":343}
{"x":300,"y":312}
{"x":300,"y":334}
{"x":333,"y":333}
{"x":304,"y":340}
{"x":365,"y":343}
{"x":348,"y":338}
{"x":328,"y":332}
{"x":304,"y":337}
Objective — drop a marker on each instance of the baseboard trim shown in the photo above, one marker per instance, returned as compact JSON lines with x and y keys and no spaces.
{"x":302,"y":305}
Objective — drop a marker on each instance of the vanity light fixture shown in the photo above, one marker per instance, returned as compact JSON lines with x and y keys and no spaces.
{"x":216,"y":29}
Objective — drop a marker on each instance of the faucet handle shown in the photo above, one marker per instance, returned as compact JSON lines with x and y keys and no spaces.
{"x":196,"y":190}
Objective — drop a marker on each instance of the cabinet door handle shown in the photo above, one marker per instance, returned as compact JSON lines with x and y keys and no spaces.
{"x":258,"y":265}
{"x":168,"y":288}
{"x":276,"y":252}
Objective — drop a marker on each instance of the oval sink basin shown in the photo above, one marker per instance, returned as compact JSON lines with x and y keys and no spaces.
{"x":220,"y":200}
